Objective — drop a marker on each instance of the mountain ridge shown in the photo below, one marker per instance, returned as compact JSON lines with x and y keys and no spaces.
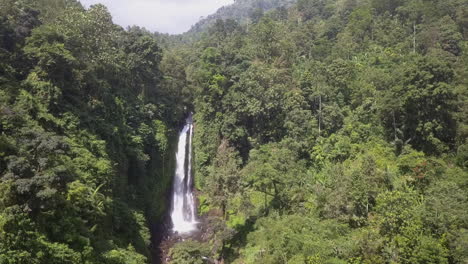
{"x":242,"y":11}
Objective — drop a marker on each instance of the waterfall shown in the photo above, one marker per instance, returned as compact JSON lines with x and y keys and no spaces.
{"x":183,"y":213}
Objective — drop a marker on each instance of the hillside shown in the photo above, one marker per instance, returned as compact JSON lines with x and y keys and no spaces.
{"x":241,"y":11}
{"x":86,"y":135}
{"x":331,"y":132}
{"x":324,"y":131}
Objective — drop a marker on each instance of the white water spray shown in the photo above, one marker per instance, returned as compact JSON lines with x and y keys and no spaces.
{"x":183,"y":213}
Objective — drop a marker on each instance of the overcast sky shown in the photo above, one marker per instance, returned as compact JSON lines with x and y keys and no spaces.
{"x":166,"y":16}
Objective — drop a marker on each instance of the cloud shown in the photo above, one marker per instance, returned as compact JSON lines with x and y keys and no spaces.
{"x":166,"y":16}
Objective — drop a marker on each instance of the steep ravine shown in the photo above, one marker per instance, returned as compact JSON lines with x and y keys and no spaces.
{"x":159,"y":219}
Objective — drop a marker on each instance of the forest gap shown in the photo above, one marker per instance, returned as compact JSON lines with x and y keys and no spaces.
{"x":183,"y":215}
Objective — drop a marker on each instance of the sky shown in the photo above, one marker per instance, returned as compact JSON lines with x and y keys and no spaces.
{"x":165,"y":16}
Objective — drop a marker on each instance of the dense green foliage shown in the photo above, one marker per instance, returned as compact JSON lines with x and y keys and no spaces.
{"x":326,"y":131}
{"x":333,"y":132}
{"x":84,"y":135}
{"x":242,"y":11}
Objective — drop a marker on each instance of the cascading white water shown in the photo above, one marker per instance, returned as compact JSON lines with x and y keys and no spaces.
{"x":183,"y":213}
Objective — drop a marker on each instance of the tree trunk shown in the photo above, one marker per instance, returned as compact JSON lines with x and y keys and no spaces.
{"x":320,"y":115}
{"x":414,"y":37}
{"x":394,"y":125}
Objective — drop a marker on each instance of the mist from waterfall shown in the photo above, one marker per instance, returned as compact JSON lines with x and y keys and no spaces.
{"x":183,"y":214}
